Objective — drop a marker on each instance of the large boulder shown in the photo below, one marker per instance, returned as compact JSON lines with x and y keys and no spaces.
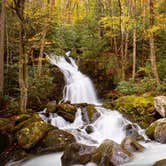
{"x":109,"y":153}
{"x":132,"y":130}
{"x":160,"y":105}
{"x":66,"y":110}
{"x":160,"y":163}
{"x":77,"y":154}
{"x":131,"y":145}
{"x":157,"y":130}
{"x":31,"y":131}
{"x":139,"y":109}
{"x":89,"y":114}
{"x":51,"y":106}
{"x":56,"y":140}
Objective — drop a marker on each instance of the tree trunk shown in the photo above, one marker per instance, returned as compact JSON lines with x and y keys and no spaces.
{"x":134,"y":53}
{"x":23,"y":57}
{"x":134,"y":40}
{"x":122,"y":42}
{"x":152,"y":46}
{"x":45,"y":31}
{"x":2,"y":33}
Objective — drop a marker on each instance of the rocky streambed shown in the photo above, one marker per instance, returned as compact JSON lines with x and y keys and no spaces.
{"x":24,"y":136}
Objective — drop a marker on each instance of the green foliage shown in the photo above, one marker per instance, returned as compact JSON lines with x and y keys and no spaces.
{"x":147,"y":84}
{"x":39,"y":88}
{"x":126,"y":87}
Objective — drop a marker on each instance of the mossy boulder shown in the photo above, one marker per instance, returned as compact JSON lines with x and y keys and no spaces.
{"x":66,"y":110}
{"x":77,"y":154}
{"x":20,"y":123}
{"x":90,"y":114}
{"x":51,"y":106}
{"x":160,"y":163}
{"x":131,"y":145}
{"x":20,"y":118}
{"x":157,"y":130}
{"x":138,"y":109}
{"x":31,"y":133}
{"x":110,"y":153}
{"x":56,"y":140}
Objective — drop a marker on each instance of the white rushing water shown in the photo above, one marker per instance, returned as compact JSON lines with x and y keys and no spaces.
{"x":78,"y":88}
{"x":110,"y":124}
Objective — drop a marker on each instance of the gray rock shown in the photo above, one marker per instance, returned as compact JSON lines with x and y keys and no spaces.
{"x":160,"y":105}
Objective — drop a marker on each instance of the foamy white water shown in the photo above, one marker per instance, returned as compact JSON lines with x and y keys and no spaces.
{"x":110,"y":125}
{"x":78,"y":88}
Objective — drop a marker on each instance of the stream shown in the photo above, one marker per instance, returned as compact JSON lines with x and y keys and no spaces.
{"x":110,"y":125}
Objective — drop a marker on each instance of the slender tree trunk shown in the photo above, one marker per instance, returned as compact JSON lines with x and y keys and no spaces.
{"x":23,"y":76}
{"x":23,"y":57}
{"x":152,"y":46}
{"x":122,"y":42}
{"x":134,"y":40}
{"x":45,"y":31}
{"x":2,"y":34}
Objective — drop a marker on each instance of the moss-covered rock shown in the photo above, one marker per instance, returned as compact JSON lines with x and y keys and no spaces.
{"x":77,"y":154}
{"x":131,"y":145}
{"x":138,"y":109}
{"x":160,"y":163}
{"x":51,"y":106}
{"x":31,"y":134}
{"x":66,"y":110}
{"x":89,"y":113}
{"x":23,"y":123}
{"x":157,"y":130}
{"x":110,"y":153}
{"x":56,"y":140}
{"x":20,"y":118}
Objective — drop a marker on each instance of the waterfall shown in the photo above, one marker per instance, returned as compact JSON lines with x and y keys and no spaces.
{"x":78,"y":87}
{"x":110,"y":124}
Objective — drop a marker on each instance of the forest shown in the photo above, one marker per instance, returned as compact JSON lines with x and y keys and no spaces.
{"x":120,"y":45}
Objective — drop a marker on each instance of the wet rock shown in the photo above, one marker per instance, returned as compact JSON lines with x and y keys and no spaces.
{"x":20,"y":118}
{"x":139,"y":109}
{"x":90,"y":114}
{"x":157,"y":130}
{"x":51,"y":106}
{"x":160,"y":163}
{"x":89,"y":129}
{"x":23,"y":123}
{"x":160,"y":105}
{"x":67,"y":111}
{"x":56,"y":140}
{"x":77,"y":154}
{"x":131,"y":145}
{"x":31,"y":134}
{"x":132,"y":131}
{"x":109,"y":153}
{"x":160,"y":133}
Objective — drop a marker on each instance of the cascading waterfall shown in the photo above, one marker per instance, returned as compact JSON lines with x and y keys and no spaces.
{"x":78,"y":88}
{"x":110,"y":124}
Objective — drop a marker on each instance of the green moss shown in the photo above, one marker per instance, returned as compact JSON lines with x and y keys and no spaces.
{"x":33,"y":118}
{"x":137,"y":108}
{"x":151,"y":129}
{"x":55,"y":140}
{"x":29,"y":136}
